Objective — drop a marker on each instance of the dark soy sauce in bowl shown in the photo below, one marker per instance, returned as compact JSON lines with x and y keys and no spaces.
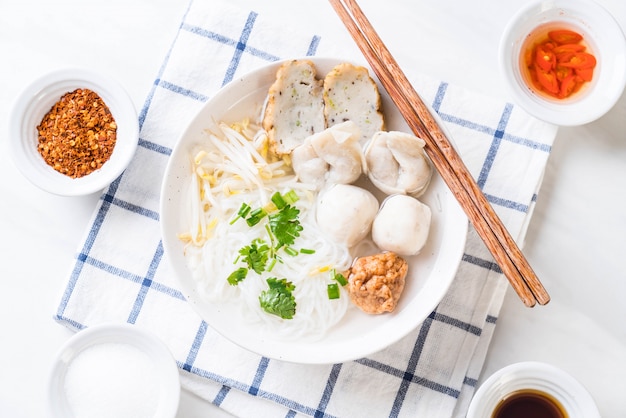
{"x":529,"y":403}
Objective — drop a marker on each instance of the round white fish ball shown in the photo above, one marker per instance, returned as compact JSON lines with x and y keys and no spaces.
{"x":345,"y":213}
{"x":402,"y":225}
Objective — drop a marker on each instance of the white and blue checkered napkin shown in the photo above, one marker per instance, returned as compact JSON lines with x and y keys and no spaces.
{"x":121,"y":273}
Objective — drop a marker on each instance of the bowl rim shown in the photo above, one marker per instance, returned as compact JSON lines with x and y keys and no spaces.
{"x":36,"y":99}
{"x":606,"y":91}
{"x":537,"y":375}
{"x":124,"y":333}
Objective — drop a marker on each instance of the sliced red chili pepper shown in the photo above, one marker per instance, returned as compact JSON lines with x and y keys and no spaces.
{"x":585,"y":74}
{"x":544,"y":58}
{"x":558,"y":65}
{"x":564,"y":36}
{"x":533,"y":77}
{"x":569,"y":48}
{"x":563,"y":72}
{"x":576,"y":60}
{"x":548,"y":80}
{"x":568,"y":86}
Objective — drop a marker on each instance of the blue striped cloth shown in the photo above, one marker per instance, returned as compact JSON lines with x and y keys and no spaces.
{"x":121,"y":274}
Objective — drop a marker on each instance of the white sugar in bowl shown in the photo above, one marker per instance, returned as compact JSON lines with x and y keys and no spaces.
{"x":114,"y":370}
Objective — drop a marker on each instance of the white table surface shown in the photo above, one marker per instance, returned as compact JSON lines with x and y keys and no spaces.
{"x":576,"y":241}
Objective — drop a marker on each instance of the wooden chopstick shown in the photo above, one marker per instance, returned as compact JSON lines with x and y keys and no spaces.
{"x":443,"y":155}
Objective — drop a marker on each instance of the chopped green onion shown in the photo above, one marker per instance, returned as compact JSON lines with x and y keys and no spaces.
{"x":237,"y":276}
{"x":256,"y":216}
{"x":242,"y":213}
{"x":272,"y":238}
{"x":290,"y":251}
{"x":271,"y":264}
{"x":338,"y":277}
{"x":307,"y":251}
{"x":333,"y":291}
{"x":278,"y":200}
{"x":291,"y":197}
{"x":244,"y":210}
{"x":270,"y":207}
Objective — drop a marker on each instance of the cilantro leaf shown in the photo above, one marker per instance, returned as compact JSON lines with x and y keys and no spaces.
{"x":285,"y":225}
{"x":278,"y":299}
{"x":237,"y":276}
{"x":255,"y":255}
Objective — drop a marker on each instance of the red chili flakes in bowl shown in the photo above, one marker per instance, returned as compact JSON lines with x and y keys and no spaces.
{"x":78,"y":134}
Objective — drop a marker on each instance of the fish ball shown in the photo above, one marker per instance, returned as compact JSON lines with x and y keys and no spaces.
{"x":402,"y":225}
{"x":345,"y":213}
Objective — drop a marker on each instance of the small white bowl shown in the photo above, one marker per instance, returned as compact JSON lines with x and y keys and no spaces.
{"x":538,"y":376}
{"x":606,"y":41}
{"x":37,"y":100}
{"x":127,"y":351}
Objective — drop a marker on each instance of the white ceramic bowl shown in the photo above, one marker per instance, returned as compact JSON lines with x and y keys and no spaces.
{"x":606,"y":41}
{"x":357,"y":335}
{"x":129,"y":350}
{"x":38,"y":98}
{"x":538,"y":376}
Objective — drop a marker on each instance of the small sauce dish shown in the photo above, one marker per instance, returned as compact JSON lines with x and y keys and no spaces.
{"x":37,"y":99}
{"x":602,"y":36}
{"x":114,"y":370}
{"x":532,"y":389}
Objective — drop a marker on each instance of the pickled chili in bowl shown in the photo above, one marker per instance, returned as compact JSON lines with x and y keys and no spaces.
{"x":557,"y":62}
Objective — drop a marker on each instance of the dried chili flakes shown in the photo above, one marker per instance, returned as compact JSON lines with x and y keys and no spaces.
{"x":78,"y":134}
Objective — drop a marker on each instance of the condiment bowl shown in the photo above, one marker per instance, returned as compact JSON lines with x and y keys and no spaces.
{"x":604,"y":39}
{"x":37,"y":99}
{"x":533,"y":376}
{"x":114,"y":370}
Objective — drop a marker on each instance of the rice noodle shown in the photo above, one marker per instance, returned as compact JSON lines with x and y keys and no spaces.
{"x":232,"y":168}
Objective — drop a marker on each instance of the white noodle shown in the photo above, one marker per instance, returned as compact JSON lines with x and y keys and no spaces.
{"x":229,"y":171}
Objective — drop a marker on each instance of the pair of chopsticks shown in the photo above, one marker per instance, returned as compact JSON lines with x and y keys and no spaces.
{"x":448,"y":163}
